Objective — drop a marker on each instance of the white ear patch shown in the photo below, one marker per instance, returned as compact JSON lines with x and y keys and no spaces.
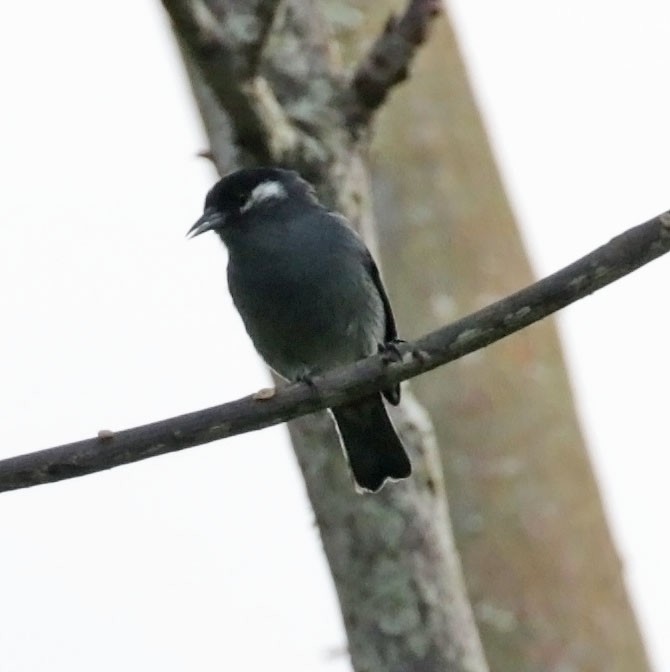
{"x":263,"y":192}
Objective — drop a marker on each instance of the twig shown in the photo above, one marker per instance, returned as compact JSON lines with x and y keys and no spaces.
{"x":620,"y":256}
{"x":255,"y":18}
{"x":387,"y":63}
{"x":226,"y":47}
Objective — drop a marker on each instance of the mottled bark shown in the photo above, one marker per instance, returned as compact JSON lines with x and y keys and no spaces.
{"x":396,"y":571}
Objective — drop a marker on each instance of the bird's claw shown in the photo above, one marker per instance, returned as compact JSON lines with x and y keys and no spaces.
{"x":308,"y":380}
{"x":390,"y":351}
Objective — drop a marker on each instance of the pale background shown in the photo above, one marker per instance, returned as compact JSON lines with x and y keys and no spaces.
{"x":209,"y":559}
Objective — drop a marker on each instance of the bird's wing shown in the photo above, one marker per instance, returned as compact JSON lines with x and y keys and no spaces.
{"x":390,"y":330}
{"x":392,"y":394}
{"x":391,"y":333}
{"x":352,"y":236}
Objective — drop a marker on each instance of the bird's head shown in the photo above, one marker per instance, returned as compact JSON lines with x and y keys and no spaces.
{"x":245,"y":193}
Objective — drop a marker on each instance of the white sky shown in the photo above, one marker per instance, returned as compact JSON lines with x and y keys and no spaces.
{"x":209,"y":559}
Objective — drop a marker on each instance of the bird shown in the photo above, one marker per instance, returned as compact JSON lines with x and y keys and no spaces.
{"x":311,"y":299}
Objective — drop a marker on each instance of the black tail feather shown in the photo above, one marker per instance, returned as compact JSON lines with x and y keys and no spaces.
{"x":372,"y":446}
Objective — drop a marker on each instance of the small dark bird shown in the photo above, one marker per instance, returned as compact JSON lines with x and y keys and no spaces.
{"x":311,"y":299}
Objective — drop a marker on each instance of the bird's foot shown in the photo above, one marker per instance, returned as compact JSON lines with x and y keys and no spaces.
{"x":390,"y":351}
{"x":308,"y":379}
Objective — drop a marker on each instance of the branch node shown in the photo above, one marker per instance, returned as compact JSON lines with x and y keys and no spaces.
{"x":387,"y":63}
{"x":226,"y":50}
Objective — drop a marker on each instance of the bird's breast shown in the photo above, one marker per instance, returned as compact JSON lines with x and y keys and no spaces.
{"x":306,"y":313}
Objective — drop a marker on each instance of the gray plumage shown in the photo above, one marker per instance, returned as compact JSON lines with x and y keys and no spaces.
{"x":311,"y":299}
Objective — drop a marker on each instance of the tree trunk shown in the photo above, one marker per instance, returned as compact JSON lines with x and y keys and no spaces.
{"x":392,"y":555}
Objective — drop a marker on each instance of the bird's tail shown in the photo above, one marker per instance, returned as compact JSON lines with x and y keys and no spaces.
{"x":373,"y":448}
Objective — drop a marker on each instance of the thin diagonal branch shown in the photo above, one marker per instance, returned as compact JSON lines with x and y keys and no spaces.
{"x":387,"y":63}
{"x":620,"y":256}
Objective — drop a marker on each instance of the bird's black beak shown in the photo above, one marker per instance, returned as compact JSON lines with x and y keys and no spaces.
{"x":211,"y":219}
